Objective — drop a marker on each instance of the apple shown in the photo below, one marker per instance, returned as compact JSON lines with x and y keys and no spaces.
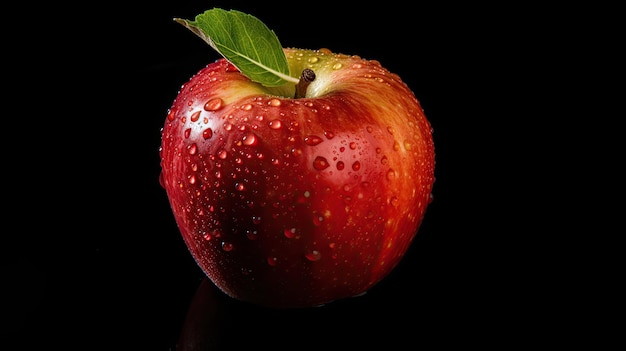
{"x":299,"y":193}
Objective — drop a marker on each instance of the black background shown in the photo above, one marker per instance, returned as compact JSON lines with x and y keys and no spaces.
{"x":98,"y":263}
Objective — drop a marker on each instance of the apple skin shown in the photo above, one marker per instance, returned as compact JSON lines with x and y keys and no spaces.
{"x":297,"y":202}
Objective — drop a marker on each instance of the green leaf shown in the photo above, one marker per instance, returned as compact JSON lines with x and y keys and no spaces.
{"x":246,"y":42}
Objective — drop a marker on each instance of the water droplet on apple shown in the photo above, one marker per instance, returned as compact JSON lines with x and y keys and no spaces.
{"x":240,"y":186}
{"x":207,"y":133}
{"x":275,"y":124}
{"x":222,"y":154}
{"x":313,"y":59}
{"x":226,"y":246}
{"x":391,"y":174}
{"x":274,"y":102}
{"x":356,"y":165}
{"x":195,"y":116}
{"x":256,"y":219}
{"x":290,"y":233}
{"x":246,"y":107}
{"x":312,"y":140}
{"x":192,"y":149}
{"x":272,"y":261}
{"x":337,"y":66}
{"x":187,"y":133}
{"x":192,"y":179}
{"x":320,"y":163}
{"x":252,"y":234}
{"x":318,"y":219}
{"x":329,"y":135}
{"x":250,"y":139}
{"x":161,"y":180}
{"x":384,"y":160}
{"x":313,"y":256}
{"x":325,"y":51}
{"x":340,"y":165}
{"x":214,"y":104}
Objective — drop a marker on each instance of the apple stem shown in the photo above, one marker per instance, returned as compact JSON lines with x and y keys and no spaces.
{"x":305,"y":79}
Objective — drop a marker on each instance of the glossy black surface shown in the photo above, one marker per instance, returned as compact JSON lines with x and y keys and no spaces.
{"x":98,"y":263}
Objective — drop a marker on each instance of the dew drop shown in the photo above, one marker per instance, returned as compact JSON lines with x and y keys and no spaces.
{"x":195,"y":116}
{"x":207,"y":133}
{"x":222,"y":154}
{"x":192,"y":179}
{"x":337,"y":66}
{"x":356,"y":165}
{"x":250,"y":139}
{"x":329,"y":135}
{"x":276,"y":124}
{"x":274,"y":102}
{"x":391,"y":174}
{"x":240,"y":186}
{"x":272,"y":261}
{"x":340,"y":165}
{"x":214,"y":104}
{"x":192,"y":149}
{"x":252,"y":234}
{"x":226,"y":246}
{"x":320,"y":163}
{"x":317,"y":219}
{"x":256,"y":219}
{"x":313,"y":59}
{"x":187,"y":133}
{"x":352,"y":145}
{"x":312,"y":140}
{"x":246,"y":107}
{"x":313,"y":256}
{"x":290,"y":233}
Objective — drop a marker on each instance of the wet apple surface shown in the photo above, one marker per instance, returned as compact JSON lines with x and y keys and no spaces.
{"x":290,"y":198}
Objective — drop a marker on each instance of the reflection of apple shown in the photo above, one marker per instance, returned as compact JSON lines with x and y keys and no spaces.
{"x":202,"y":329}
{"x":302,"y":198}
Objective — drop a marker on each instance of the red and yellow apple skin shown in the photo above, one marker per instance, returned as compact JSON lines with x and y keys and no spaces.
{"x":296,"y":202}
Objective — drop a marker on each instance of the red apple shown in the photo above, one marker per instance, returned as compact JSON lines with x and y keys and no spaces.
{"x":302,"y":197}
